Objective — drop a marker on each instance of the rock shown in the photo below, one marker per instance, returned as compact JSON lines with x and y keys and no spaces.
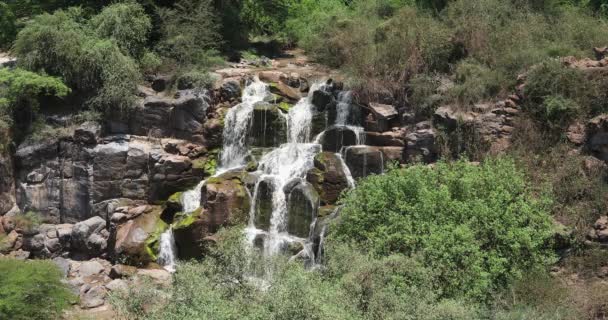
{"x":159,"y":84}
{"x":263,"y":209}
{"x":35,"y":243}
{"x":87,"y":133}
{"x":335,"y":138}
{"x":421,"y":145}
{"x":230,"y":90}
{"x":321,"y":98}
{"x":137,"y":239}
{"x":385,"y":139}
{"x":122,"y":271}
{"x":20,"y":254}
{"x":90,"y":268}
{"x":63,"y":265}
{"x":157,"y":275}
{"x":364,"y":160}
{"x":287,"y":91}
{"x":225,"y":201}
{"x":268,"y":126}
{"x":328,"y":177}
{"x":597,"y":137}
{"x":576,"y":134}
{"x":9,"y":243}
{"x":271,"y":76}
{"x":117,"y":285}
{"x":302,"y":203}
{"x":87,"y":236}
{"x":93,"y":297}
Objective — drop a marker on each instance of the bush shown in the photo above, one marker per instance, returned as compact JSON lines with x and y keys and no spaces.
{"x":8,"y":28}
{"x":189,"y":32}
{"x":127,"y":24}
{"x":31,"y":290}
{"x":478,"y":225}
{"x":63,"y":45}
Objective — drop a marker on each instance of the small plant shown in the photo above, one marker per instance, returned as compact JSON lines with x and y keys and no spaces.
{"x":28,"y":222}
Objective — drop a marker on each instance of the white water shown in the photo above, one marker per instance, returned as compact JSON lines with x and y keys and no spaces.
{"x":237,"y":124}
{"x":168,"y":251}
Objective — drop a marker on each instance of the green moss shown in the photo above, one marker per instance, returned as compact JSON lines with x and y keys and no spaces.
{"x":176,"y":198}
{"x":208,"y":165}
{"x":285,"y":106}
{"x":153,"y":241}
{"x":185,"y":220}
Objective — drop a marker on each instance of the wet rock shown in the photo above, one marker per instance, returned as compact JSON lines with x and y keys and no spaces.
{"x":263,"y":209}
{"x":337,"y":137}
{"x":302,"y":203}
{"x":328,"y":177}
{"x":321,"y":98}
{"x":286,"y":91}
{"x":268,"y":126}
{"x":225,"y":201}
{"x":364,"y":160}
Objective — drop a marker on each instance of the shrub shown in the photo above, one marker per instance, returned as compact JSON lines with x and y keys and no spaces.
{"x":127,"y":24}
{"x":8,"y":28}
{"x":478,"y":225}
{"x":189,"y":32}
{"x":63,"y":45}
{"x":31,"y":290}
{"x":474,"y":83}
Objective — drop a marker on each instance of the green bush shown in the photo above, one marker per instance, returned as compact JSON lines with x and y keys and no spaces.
{"x":31,"y":290}
{"x":62,"y":44}
{"x":478,"y":225}
{"x":189,"y":32}
{"x":8,"y":28}
{"x":126,"y":23}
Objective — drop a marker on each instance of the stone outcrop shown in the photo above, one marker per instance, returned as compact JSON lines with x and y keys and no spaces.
{"x":599,"y":231}
{"x":328,"y":177}
{"x":268,"y":126}
{"x":90,"y":237}
{"x":364,"y":160}
{"x":137,"y":240}
{"x":74,"y":178}
{"x":597,"y":137}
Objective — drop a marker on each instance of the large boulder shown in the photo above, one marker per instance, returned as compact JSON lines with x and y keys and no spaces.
{"x":364,"y":160}
{"x":302,"y":204}
{"x":421,"y":144}
{"x":328,"y":177}
{"x":137,"y":240}
{"x":263,"y":200}
{"x":336,"y":137}
{"x":89,"y":237}
{"x":268,"y":126}
{"x":226,"y":201}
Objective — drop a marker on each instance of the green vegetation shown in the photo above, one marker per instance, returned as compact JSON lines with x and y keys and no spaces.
{"x":31,"y":290}
{"x":479,"y":225}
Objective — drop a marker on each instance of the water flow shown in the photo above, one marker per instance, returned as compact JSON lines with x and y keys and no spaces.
{"x":168,"y":251}
{"x":191,"y":199}
{"x":346,"y":113}
{"x":237,"y":124}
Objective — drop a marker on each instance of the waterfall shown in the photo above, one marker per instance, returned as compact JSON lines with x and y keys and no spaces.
{"x":237,"y":123}
{"x":168,"y":250}
{"x":191,"y":199}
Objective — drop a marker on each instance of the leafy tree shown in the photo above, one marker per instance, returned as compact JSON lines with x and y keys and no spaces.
{"x":126,"y":23}
{"x":8,"y":28}
{"x":31,"y":290}
{"x":478,"y":226}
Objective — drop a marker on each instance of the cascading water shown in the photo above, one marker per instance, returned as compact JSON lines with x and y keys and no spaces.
{"x":237,"y":124}
{"x":168,"y":251}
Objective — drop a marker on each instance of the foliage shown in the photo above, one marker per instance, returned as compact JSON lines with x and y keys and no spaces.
{"x":8,"y":27}
{"x":63,"y":45}
{"x":478,"y":225}
{"x":127,"y":24}
{"x":31,"y":290}
{"x":189,"y":32}
{"x":28,"y":222}
{"x":194,"y":79}
{"x":266,"y":16}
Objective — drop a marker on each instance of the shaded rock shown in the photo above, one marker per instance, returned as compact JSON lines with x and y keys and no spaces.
{"x":321,"y":98}
{"x":335,"y":138}
{"x":597,"y":136}
{"x":263,"y":209}
{"x":160,"y":83}
{"x":87,"y":133}
{"x":268,"y":126}
{"x":364,"y":160}
{"x":328,"y":177}
{"x":230,"y":90}
{"x":88,"y":237}
{"x":302,"y":203}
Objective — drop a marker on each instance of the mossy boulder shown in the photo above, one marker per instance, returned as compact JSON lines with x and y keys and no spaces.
{"x":136,"y":241}
{"x":268,"y":126}
{"x":318,"y":124}
{"x":302,"y":204}
{"x":226,"y":201}
{"x":189,"y":233}
{"x":328,"y":177}
{"x":263,"y":209}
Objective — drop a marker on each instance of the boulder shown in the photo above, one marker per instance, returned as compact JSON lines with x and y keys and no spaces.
{"x":225,"y":201}
{"x":364,"y":160}
{"x":122,"y":271}
{"x":421,"y":144}
{"x":286,"y":91}
{"x":90,"y":237}
{"x":137,"y":240}
{"x":230,"y":90}
{"x":159,"y":276}
{"x":91,"y":297}
{"x":321,"y":98}
{"x":328,"y":177}
{"x":263,"y":200}
{"x":302,"y":204}
{"x":160,"y":83}
{"x":117,"y":285}
{"x":63,"y":265}
{"x":87,"y":133}
{"x":385,"y":139}
{"x":336,"y":137}
{"x":189,"y":113}
{"x":268,"y":126}
{"x":90,"y":268}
